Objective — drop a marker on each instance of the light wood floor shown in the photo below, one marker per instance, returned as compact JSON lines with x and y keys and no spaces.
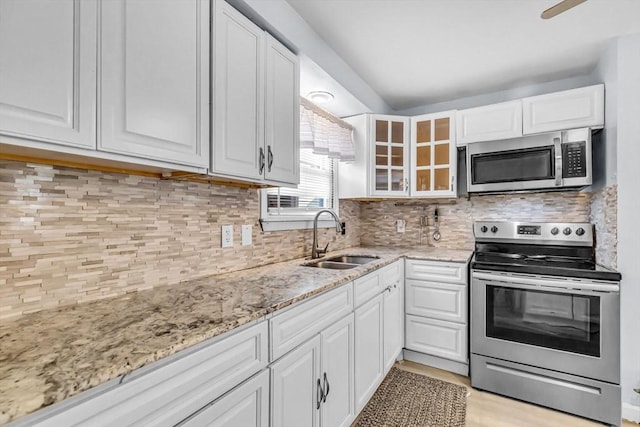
{"x":490,"y":410}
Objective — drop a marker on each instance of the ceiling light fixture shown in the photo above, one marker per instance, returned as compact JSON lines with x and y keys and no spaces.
{"x":320,"y":96}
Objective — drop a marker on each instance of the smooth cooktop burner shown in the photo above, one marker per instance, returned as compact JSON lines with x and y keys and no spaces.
{"x":515,"y":259}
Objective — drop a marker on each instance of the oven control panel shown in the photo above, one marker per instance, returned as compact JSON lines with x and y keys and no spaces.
{"x":558,"y":233}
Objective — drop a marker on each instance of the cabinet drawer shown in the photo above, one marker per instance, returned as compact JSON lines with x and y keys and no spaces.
{"x":444,"y":301}
{"x":435,"y":271}
{"x":171,"y":392}
{"x":295,"y":326}
{"x":247,"y":405}
{"x":367,"y":287}
{"x":392,"y":273}
{"x":436,"y":337}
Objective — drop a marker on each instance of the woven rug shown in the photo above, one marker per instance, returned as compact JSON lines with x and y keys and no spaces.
{"x":405,"y":399}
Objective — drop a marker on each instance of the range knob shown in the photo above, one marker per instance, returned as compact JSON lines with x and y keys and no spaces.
{"x":555,"y":231}
{"x":484,"y":228}
{"x":494,"y":229}
{"x":580,"y":231}
{"x":566,"y":231}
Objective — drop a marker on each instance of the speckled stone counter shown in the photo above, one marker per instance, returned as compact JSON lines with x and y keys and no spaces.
{"x":51,"y":355}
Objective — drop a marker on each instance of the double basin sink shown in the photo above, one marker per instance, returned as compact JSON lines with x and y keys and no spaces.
{"x":343,"y":262}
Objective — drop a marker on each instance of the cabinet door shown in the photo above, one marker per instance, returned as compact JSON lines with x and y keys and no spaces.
{"x":337,"y":346}
{"x":154,"y":83}
{"x":489,"y":122}
{"x":438,"y":338}
{"x":393,"y":325}
{"x":48,"y":70}
{"x":282,"y":113}
{"x":389,"y":145}
{"x":569,"y":109}
{"x":238,"y":94}
{"x":434,"y":155}
{"x":368,"y":350}
{"x":246,"y":406}
{"x":444,"y":301}
{"x":295,"y":387}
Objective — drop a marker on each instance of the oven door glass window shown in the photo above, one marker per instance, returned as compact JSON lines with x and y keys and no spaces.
{"x":529,"y":164}
{"x":546,"y":319}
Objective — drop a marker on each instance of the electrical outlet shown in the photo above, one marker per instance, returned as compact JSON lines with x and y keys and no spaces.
{"x":246,"y":234}
{"x":400,"y":225}
{"x":227,"y":236}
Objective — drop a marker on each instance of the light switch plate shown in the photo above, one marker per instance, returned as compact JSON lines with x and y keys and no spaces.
{"x":246,"y":235}
{"x":227,"y":236}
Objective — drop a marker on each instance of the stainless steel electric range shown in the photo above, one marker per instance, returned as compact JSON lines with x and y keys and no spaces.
{"x":545,"y":319}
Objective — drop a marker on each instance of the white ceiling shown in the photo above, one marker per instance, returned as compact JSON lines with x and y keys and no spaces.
{"x":418,"y":52}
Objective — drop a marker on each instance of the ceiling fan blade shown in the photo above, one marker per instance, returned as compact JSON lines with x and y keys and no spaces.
{"x":563,"y":6}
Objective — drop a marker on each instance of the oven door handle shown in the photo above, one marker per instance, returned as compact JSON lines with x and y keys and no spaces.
{"x":533,"y":283}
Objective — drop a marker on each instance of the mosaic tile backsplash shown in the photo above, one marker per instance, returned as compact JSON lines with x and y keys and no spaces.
{"x":456,"y":218}
{"x":70,"y":236}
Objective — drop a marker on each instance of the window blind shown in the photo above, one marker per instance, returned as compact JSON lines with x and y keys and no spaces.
{"x":315,"y":191}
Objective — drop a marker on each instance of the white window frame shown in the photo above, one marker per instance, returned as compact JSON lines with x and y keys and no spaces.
{"x":299,"y":221}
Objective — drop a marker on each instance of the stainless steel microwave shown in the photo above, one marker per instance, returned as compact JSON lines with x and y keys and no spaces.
{"x":547,"y":161}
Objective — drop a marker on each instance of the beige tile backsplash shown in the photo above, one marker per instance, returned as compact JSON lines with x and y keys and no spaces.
{"x":69,"y":236}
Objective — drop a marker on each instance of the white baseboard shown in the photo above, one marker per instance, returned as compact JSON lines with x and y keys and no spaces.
{"x":437,"y":362}
{"x":631,"y":412}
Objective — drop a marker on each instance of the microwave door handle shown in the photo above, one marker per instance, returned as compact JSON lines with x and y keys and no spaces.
{"x":558,"y":150}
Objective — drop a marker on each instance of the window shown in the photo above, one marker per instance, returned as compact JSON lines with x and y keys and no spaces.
{"x":294,"y":208}
{"x":324,"y":139}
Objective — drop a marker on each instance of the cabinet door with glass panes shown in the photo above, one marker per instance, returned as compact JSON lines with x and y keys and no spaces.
{"x":390,"y":169}
{"x":433,"y":155}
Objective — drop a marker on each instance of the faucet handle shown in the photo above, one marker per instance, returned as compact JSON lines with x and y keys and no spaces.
{"x":322,"y":251}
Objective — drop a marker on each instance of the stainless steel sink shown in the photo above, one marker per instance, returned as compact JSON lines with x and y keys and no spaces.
{"x":354,"y":259}
{"x":343,"y":262}
{"x":332,"y":265}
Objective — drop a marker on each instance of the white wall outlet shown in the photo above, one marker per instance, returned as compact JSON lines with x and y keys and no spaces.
{"x":246,"y":234}
{"x":227,"y":236}
{"x":400,"y":223}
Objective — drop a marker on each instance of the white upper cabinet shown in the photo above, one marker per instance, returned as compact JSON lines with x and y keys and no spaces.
{"x":256,"y":101}
{"x":569,"y":109}
{"x":238,"y":94}
{"x":48,"y":71}
{"x":489,"y":122}
{"x":389,"y":145}
{"x":282,"y":113}
{"x":433,"y":155}
{"x":154,"y":84}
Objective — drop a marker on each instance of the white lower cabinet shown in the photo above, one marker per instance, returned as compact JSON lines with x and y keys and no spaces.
{"x":337,"y":362}
{"x":438,"y":338}
{"x":436,"y":307}
{"x":369,"y":350}
{"x":296,"y":387}
{"x":313,"y":384}
{"x":393,"y":325}
{"x":246,"y":406}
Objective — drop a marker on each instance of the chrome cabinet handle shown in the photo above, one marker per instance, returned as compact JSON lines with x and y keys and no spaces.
{"x":269,"y":158}
{"x":320,"y":397}
{"x":261,"y":160}
{"x":452,"y":181}
{"x":406,"y":184}
{"x":326,"y":383}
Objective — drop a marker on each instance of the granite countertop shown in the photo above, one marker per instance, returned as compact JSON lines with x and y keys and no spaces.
{"x":51,"y":355}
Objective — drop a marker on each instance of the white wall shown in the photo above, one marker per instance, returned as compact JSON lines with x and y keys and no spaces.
{"x":628,"y":146}
{"x":607,"y":72}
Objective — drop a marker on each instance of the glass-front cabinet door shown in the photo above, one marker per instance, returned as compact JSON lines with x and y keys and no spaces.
{"x":433,"y":155}
{"x":390,"y":137}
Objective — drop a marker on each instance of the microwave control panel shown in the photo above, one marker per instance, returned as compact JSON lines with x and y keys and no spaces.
{"x":574,"y":159}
